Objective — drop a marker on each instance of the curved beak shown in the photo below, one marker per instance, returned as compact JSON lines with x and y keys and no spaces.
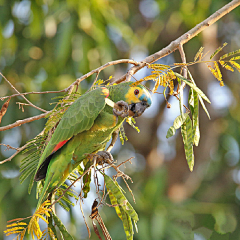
{"x":137,"y":109}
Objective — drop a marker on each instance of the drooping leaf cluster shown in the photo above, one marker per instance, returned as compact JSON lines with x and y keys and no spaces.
{"x":122,"y":206}
{"x":20,"y":227}
{"x":226,"y":61}
{"x":163,"y":75}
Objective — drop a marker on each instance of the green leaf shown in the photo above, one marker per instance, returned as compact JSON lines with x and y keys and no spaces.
{"x":180,"y":96}
{"x":125,"y":218}
{"x":225,"y":221}
{"x":187,"y":135}
{"x":229,"y":54}
{"x":122,"y":135}
{"x":193,"y":86}
{"x":195,"y":119}
{"x":86,"y":181}
{"x":50,"y":225}
{"x":127,"y":224}
{"x":194,"y":107}
{"x":131,"y":121}
{"x":198,"y":54}
{"x":199,"y":97}
{"x":179,"y":120}
{"x":122,"y":200}
{"x":62,"y":228}
{"x":114,"y":202}
{"x":218,"y":50}
{"x":204,"y":107}
{"x":171,"y":131}
{"x":31,"y":184}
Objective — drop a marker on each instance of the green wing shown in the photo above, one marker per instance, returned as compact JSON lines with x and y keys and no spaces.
{"x":79,"y":117}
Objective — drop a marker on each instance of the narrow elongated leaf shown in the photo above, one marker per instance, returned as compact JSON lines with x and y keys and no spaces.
{"x":229,"y":54}
{"x":195,"y":119}
{"x":114,"y":202}
{"x":194,"y":107}
{"x":193,"y":86}
{"x":204,"y":107}
{"x":62,"y":228}
{"x":31,"y":184}
{"x":218,"y":50}
{"x":180,"y":96}
{"x":187,"y":135}
{"x":125,"y":218}
{"x":225,"y":65}
{"x":122,"y":200}
{"x":235,"y":58}
{"x":218,"y":72}
{"x":198,"y":54}
{"x":191,"y":100}
{"x":199,"y":97}
{"x":127,"y":224}
{"x":235,"y":64}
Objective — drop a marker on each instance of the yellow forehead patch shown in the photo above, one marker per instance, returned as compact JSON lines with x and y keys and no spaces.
{"x":131,"y":97}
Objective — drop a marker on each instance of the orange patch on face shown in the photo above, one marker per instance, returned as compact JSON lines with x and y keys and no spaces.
{"x":105,"y":91}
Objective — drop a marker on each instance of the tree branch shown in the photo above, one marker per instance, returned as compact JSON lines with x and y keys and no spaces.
{"x":20,"y":122}
{"x":184,"y":68}
{"x":174,"y":45}
{"x":97,"y":70}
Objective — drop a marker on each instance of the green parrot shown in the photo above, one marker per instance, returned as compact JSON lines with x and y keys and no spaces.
{"x":85,"y":128}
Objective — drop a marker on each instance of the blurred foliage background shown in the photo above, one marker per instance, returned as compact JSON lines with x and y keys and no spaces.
{"x":46,"y":44}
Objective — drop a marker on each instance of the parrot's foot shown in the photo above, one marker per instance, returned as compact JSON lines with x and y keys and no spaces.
{"x":124,"y":109}
{"x":104,"y":157}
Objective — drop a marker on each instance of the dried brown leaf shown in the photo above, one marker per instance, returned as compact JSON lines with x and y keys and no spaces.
{"x":4,"y":109}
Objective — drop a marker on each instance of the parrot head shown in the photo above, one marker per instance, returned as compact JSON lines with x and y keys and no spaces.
{"x":137,"y":97}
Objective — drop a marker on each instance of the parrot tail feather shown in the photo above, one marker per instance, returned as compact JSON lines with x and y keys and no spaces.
{"x":42,"y":170}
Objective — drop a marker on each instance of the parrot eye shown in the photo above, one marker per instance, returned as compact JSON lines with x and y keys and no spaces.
{"x":136,"y":91}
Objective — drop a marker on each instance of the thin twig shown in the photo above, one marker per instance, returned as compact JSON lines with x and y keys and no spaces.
{"x":129,"y":189}
{"x":184,"y":68}
{"x":96,"y":78}
{"x":8,"y":147}
{"x":114,"y":139}
{"x":18,"y":150}
{"x":27,"y":93}
{"x":103,"y":67}
{"x":183,"y":57}
{"x":31,"y":104}
{"x":89,"y":232}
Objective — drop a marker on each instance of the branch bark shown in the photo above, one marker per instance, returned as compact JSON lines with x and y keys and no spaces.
{"x":20,"y":122}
